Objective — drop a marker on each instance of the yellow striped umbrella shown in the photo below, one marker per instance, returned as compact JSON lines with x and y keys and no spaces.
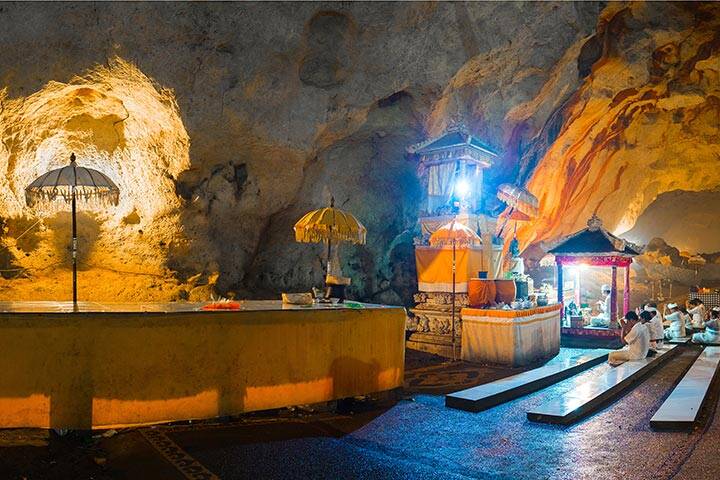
{"x":329,"y":225}
{"x":454,"y":232}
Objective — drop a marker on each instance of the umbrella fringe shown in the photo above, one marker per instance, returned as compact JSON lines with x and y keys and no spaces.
{"x":102,"y":196}
{"x":321,"y":233}
{"x":329,"y":224}
{"x":458,"y":243}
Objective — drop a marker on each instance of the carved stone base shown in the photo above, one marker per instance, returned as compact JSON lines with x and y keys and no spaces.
{"x":436,"y":344}
{"x":430,"y":323}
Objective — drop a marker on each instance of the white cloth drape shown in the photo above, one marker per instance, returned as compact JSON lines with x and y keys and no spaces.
{"x":441,"y":179}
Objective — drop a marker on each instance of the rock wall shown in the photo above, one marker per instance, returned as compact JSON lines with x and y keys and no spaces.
{"x":224,"y":123}
{"x":646,"y":120}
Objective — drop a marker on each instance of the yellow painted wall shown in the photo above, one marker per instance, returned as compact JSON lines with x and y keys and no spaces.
{"x":98,"y":370}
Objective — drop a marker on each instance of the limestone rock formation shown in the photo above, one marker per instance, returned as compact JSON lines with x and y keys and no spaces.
{"x":224,"y":122}
{"x":645,"y":121}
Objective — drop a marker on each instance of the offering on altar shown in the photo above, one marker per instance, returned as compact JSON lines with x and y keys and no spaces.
{"x":222,"y":304}
{"x":297,"y":298}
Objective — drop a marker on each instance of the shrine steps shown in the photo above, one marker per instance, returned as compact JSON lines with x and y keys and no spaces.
{"x":595,"y":392}
{"x":590,"y":337}
{"x":681,"y":410}
{"x":482,"y":397}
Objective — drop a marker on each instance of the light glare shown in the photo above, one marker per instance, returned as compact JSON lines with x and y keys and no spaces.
{"x":462,"y":187}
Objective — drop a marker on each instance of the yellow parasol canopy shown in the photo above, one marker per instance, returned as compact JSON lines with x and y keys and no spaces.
{"x":454,"y":232}
{"x":329,"y":224}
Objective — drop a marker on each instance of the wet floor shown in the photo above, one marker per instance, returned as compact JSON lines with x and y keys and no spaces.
{"x":418,"y":437}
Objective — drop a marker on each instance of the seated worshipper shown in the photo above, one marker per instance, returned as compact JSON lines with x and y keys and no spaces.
{"x":714,"y":321}
{"x":712,"y":329}
{"x":652,"y":307}
{"x":603,"y":320}
{"x":677,"y":322}
{"x":628,"y":322}
{"x":655,"y":327}
{"x":687,"y":319}
{"x":696,"y":309}
{"x":638,"y":342}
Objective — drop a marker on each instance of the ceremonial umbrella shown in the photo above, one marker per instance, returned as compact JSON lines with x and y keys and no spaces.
{"x":329,"y":225}
{"x":70,"y":184}
{"x":519,"y":200}
{"x":454,"y":234}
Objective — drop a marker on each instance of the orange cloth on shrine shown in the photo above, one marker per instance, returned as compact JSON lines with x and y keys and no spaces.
{"x":505,"y":291}
{"x":481,"y":292}
{"x":434,"y":268}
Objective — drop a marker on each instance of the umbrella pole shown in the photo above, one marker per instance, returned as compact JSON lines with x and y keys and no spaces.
{"x":327,"y":267}
{"x":74,"y":252}
{"x":512,"y":209}
{"x":453,"y":300}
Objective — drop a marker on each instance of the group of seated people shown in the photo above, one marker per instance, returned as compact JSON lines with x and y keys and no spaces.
{"x":646,"y":331}
{"x":693,"y":318}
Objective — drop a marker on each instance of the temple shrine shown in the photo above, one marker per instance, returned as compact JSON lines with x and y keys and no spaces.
{"x":593,"y":246}
{"x":450,"y":168}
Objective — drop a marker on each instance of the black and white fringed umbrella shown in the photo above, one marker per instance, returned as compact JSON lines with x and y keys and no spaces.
{"x":70,"y":184}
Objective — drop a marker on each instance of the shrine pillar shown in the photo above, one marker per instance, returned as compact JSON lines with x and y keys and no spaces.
{"x":626,"y":291}
{"x":613,"y":298}
{"x":560,"y":289}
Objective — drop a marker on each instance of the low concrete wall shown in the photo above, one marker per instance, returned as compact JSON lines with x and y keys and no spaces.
{"x":101,"y":370}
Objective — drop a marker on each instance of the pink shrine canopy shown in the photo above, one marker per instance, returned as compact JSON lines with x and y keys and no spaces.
{"x":597,"y":247}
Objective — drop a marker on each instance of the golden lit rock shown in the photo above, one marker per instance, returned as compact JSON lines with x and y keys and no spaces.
{"x":630,"y":134}
{"x":116,"y":120}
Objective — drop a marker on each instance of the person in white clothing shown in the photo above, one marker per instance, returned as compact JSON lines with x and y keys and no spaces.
{"x":712,"y":329}
{"x":655,"y":326}
{"x":652,"y":307}
{"x":677,"y":322}
{"x":638,"y":343}
{"x":687,"y":319}
{"x":603,"y":319}
{"x":696,"y":309}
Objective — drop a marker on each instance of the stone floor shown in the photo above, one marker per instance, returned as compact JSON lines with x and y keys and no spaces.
{"x":417,"y":437}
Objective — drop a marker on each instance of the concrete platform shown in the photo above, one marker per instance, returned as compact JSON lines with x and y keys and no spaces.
{"x":592,"y":394}
{"x":682,"y":408}
{"x":110,"y":366}
{"x":482,"y":397}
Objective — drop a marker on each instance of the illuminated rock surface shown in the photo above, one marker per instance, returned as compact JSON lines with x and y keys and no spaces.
{"x":223,"y":123}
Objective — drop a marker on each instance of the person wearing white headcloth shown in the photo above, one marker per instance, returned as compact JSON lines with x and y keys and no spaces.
{"x":652,"y":308}
{"x":677,"y":322}
{"x":655,"y":326}
{"x":712,"y":329}
{"x":603,"y":319}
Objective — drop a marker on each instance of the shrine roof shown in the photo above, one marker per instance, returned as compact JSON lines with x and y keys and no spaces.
{"x":452,"y":138}
{"x":594,"y":240}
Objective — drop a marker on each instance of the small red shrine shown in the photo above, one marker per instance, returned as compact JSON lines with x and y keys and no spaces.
{"x":595,"y":246}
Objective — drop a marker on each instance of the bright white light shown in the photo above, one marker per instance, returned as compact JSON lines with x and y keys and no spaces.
{"x":462,"y":187}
